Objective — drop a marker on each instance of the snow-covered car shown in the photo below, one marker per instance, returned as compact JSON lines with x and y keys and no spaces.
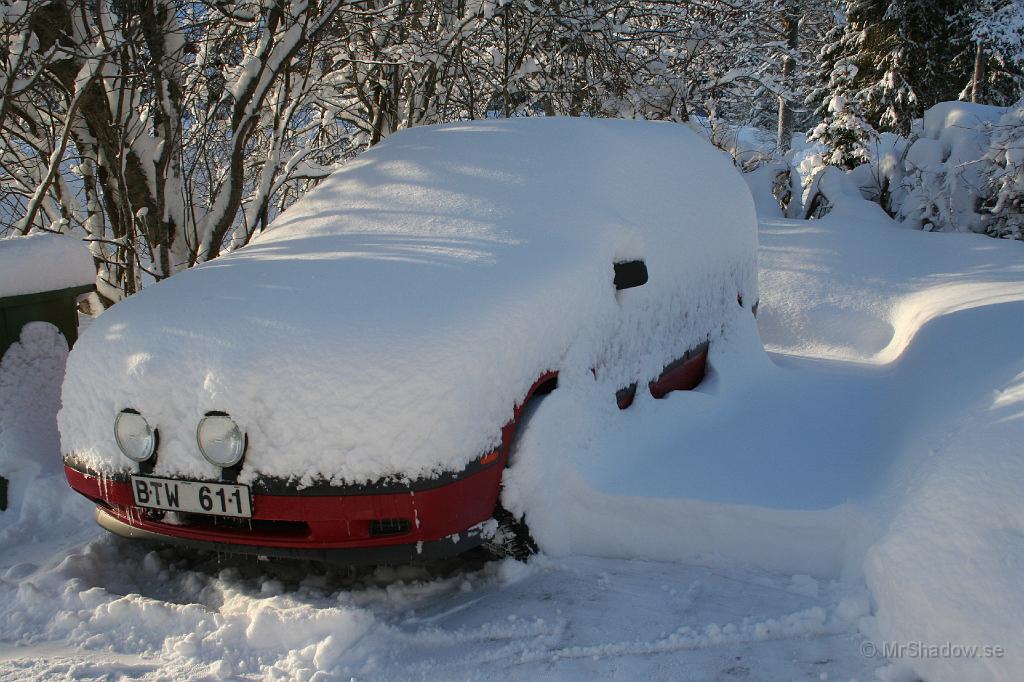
{"x":347,"y":386}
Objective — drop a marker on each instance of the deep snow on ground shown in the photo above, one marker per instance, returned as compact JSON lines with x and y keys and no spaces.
{"x":574,"y":618}
{"x":860,"y":480}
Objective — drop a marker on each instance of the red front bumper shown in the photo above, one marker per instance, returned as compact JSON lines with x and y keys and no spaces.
{"x":421,"y":523}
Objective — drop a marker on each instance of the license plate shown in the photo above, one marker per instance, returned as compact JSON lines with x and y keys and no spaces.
{"x":220,"y":499}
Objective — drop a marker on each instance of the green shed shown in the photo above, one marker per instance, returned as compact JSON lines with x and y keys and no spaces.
{"x":58,"y":307}
{"x":41,"y":278}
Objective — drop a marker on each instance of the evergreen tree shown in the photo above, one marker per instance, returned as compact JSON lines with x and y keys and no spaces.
{"x":993,"y":33}
{"x":909,"y":54}
{"x":844,"y":130}
{"x":822,"y":88}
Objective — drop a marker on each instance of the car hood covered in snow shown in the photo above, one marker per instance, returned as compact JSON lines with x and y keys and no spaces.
{"x":389,"y":321}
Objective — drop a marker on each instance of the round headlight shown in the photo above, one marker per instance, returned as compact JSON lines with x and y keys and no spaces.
{"x":134,"y":436}
{"x":220,"y":440}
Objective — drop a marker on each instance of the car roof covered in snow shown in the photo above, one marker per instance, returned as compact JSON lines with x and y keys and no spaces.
{"x":388,"y":322}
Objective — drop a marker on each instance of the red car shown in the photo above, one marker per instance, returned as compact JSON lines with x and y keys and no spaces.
{"x":347,"y":387}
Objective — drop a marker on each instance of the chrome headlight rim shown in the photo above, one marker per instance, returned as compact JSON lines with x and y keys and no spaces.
{"x":241,"y":443}
{"x":153,"y":436}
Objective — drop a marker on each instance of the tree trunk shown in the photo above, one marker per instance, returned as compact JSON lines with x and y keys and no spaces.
{"x":791,"y":30}
{"x":978,"y":79}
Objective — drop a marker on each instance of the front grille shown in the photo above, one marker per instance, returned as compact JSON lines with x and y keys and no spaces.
{"x":385,"y":527}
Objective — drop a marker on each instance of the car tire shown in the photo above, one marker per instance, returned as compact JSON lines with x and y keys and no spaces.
{"x":512,"y":537}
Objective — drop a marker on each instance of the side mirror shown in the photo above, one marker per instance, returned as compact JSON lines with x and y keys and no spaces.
{"x":629,"y":274}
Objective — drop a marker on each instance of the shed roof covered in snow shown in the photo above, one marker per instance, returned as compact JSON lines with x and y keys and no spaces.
{"x":43,"y":262}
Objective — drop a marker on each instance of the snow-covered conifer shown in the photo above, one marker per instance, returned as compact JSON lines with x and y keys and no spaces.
{"x":1003,"y":168}
{"x":844,"y":132}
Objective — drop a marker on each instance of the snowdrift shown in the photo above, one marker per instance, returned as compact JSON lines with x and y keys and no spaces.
{"x":389,"y":321}
{"x":30,"y":381}
{"x":888,"y":426}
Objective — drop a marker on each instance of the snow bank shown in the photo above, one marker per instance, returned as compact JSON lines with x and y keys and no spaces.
{"x":43,"y":262}
{"x":758,"y":465}
{"x":851,"y":287}
{"x":940,"y":315}
{"x":390,"y":320}
{"x":948,"y":568}
{"x":769,"y":183}
{"x":30,"y":379}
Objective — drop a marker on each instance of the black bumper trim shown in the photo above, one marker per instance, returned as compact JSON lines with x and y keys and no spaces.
{"x":413,"y":553}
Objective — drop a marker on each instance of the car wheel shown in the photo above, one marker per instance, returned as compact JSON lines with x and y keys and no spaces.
{"x":512,"y":537}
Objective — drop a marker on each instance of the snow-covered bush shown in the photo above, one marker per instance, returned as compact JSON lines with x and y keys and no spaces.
{"x":877,"y":178}
{"x":943,"y":180}
{"x":1003,"y":169}
{"x":880,"y":180}
{"x":960,"y":170}
{"x":749,"y":146}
